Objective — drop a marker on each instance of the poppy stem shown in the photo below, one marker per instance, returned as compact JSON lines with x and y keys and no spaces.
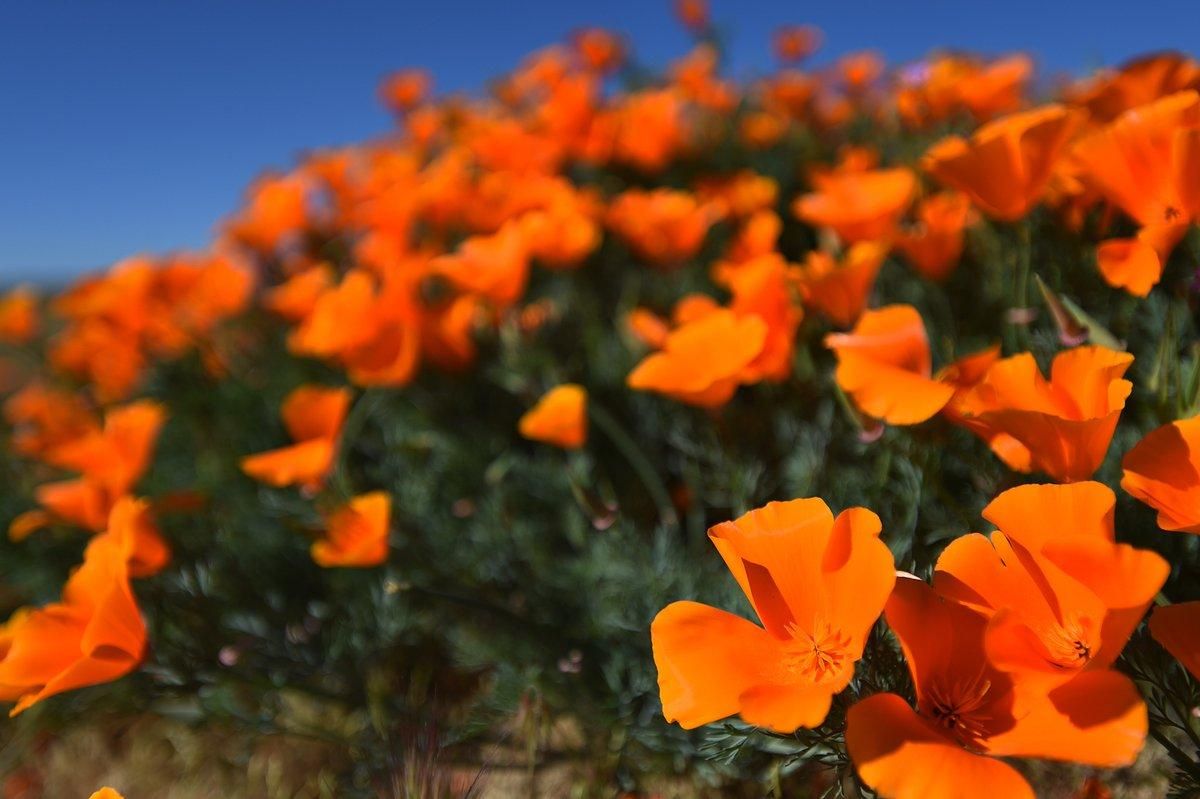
{"x":1020,"y":311}
{"x":637,"y":460}
{"x":359,"y":413}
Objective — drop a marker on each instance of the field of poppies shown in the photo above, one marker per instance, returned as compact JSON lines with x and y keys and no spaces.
{"x":624,"y":434}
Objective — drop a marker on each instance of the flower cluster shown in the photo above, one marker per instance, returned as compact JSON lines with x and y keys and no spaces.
{"x":717,"y":260}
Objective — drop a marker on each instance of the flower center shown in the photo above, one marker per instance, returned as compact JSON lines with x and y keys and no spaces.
{"x":959,"y":707}
{"x":1068,"y":644}
{"x":816,"y":657}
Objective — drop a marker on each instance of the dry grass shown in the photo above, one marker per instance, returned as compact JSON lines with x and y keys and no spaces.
{"x":155,"y":758}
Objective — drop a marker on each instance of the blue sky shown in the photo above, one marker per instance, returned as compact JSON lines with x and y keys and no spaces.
{"x":133,"y":126}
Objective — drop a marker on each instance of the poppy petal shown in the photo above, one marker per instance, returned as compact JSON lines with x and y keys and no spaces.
{"x":706,"y":660}
{"x":902,"y":756}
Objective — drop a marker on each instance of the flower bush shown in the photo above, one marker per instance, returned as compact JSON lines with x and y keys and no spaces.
{"x":438,"y":439}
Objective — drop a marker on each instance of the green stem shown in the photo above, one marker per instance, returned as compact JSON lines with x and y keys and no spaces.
{"x":359,"y":413}
{"x":1020,"y":303}
{"x":637,"y":460}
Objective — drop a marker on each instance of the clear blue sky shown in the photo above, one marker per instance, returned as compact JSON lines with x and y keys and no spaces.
{"x":133,"y":125}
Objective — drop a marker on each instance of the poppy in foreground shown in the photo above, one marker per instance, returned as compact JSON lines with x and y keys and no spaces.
{"x":1061,"y":426}
{"x":1163,"y":470}
{"x":817,"y":584}
{"x":969,"y":712}
{"x":313,"y":416}
{"x":884,"y":364}
{"x":559,"y":417}
{"x":356,"y":534}
{"x":1061,"y":596}
{"x":106,"y":793}
{"x":95,"y":634}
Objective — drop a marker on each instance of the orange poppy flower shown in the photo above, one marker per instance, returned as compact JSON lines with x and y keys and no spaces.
{"x":761,"y":288}
{"x":839,"y":291}
{"x":794,"y":43}
{"x":757,"y":235}
{"x":743,"y":194}
{"x":340,"y":318}
{"x":860,"y":70}
{"x":703,"y":361}
{"x":790,"y":93}
{"x":664,"y":227}
{"x":648,"y":327}
{"x":969,"y":712}
{"x":696,"y":77}
{"x":936,"y":244}
{"x":1145,"y":160}
{"x":1175,"y":626}
{"x":117,"y":456}
{"x":1061,"y":426}
{"x":295,"y":298}
{"x":111,"y":460}
{"x":964,"y":374}
{"x":691,"y":307}
{"x":495,"y":266}
{"x":1143,"y":80}
{"x":277,"y":207}
{"x":95,"y":634}
{"x":561,"y":235}
{"x":356,"y":534}
{"x":106,"y":793}
{"x":313,"y":416}
{"x":600,"y":50}
{"x":447,"y":332}
{"x":884,"y":364}
{"x":858,"y":205}
{"x":693,"y":14}
{"x":1007,"y":164}
{"x":760,"y":130}
{"x":405,"y":90}
{"x":141,"y":309}
{"x":995,"y":88}
{"x":43,"y":418}
{"x":1136,"y":264}
{"x":109,"y":359}
{"x":369,"y":325}
{"x":1147,"y":163}
{"x":18,"y":316}
{"x":132,"y":529}
{"x":559,"y":417}
{"x":1062,"y":597}
{"x":817,"y":584}
{"x":1163,"y":471}
{"x":647,"y":129}
{"x":951,"y":84}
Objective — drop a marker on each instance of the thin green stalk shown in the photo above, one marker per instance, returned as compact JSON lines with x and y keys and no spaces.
{"x":1020,"y":301}
{"x":638,"y":461}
